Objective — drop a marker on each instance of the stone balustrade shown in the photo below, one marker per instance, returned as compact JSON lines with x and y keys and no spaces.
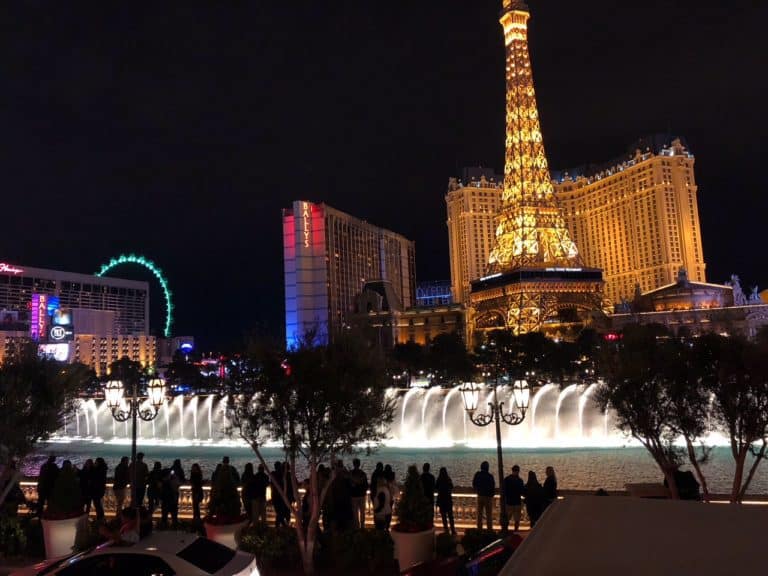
{"x":464,"y":503}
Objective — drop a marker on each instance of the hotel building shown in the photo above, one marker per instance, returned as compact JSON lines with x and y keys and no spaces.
{"x":378,"y":311}
{"x":433,"y":293}
{"x":473,"y":206}
{"x":128,"y":299}
{"x":328,"y":257}
{"x":106,"y":318}
{"x":98,"y":351}
{"x":637,"y":220}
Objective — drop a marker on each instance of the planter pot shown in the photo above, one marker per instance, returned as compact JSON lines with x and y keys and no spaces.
{"x":413,"y":547}
{"x":60,"y":535}
{"x":227,"y":534}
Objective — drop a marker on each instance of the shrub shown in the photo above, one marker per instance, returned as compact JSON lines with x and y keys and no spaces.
{"x":274,"y":547}
{"x":475,"y":539}
{"x":364,"y":552}
{"x":13,"y":538}
{"x":414,"y":510}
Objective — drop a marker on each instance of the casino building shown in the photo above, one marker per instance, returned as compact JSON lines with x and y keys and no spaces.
{"x":74,"y":317}
{"x":328,"y":257}
{"x":128,"y":299}
{"x":636,"y":218}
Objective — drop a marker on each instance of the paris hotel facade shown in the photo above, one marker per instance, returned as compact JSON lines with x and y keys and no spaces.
{"x":637,"y":220}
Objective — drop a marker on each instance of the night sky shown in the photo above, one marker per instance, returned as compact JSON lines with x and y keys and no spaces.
{"x":179,"y":130}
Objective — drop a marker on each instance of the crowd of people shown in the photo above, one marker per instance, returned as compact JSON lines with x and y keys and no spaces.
{"x":160,"y":485}
{"x":344,"y":491}
{"x":515,"y":492}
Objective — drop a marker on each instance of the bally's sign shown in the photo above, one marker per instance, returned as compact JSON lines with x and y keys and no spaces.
{"x":59,"y":333}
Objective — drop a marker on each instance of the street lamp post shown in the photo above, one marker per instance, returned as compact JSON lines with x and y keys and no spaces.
{"x":521,"y":393}
{"x":134,"y":407}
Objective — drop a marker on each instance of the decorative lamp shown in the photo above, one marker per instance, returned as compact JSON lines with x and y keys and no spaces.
{"x":113,"y":392}
{"x":156,"y":391}
{"x":470,"y":394}
{"x":522,"y":394}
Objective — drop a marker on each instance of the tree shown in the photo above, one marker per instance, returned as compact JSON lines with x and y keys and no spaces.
{"x":183,"y":373}
{"x":319,"y":402}
{"x":737,"y":377}
{"x":408,"y":358}
{"x":126,"y":369}
{"x":532,"y":356}
{"x":35,"y":396}
{"x":638,"y":389}
{"x":448,"y":360}
{"x":690,"y":403}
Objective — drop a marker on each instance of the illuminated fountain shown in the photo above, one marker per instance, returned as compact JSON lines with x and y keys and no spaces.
{"x":558,"y":417}
{"x":564,"y":416}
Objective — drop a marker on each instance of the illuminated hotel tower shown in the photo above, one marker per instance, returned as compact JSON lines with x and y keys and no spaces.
{"x":638,"y":220}
{"x":328,"y":257}
{"x":472,"y":206}
{"x":536,"y":278}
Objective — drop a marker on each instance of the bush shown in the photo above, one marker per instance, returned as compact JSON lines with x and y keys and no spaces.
{"x":363,"y":552}
{"x":445,"y":545}
{"x":475,"y":539}
{"x":273,"y":547}
{"x":13,"y":537}
{"x":414,"y":510}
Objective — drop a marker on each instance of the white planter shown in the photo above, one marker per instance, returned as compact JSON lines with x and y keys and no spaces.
{"x":226,"y":534}
{"x":413,"y":547}
{"x":60,"y":535}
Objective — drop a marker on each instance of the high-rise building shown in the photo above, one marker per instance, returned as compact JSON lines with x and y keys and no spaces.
{"x":74,"y":317}
{"x":638,"y":220}
{"x":473,"y":205}
{"x":328,"y":256}
{"x":128,"y":299}
{"x":98,"y":351}
{"x":537,"y":280}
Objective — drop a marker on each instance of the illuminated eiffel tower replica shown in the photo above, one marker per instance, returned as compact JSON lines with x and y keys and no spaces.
{"x":536,"y":279}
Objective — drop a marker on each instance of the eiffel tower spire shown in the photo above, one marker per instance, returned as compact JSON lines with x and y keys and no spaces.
{"x":530,"y":228}
{"x":536,"y":279}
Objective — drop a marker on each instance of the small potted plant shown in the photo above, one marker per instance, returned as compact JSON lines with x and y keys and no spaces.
{"x":64,"y":521}
{"x":224,"y":521}
{"x":414,"y":533}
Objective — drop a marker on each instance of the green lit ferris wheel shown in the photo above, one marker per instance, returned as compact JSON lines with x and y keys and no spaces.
{"x":156,"y":271}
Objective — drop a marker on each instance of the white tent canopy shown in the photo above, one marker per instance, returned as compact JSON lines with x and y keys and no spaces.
{"x":609,"y":535}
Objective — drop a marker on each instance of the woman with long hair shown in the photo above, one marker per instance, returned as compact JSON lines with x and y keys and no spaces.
{"x":444,"y":487}
{"x":534,"y":498}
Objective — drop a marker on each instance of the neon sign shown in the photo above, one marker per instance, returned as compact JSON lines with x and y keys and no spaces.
{"x":39,"y":316}
{"x":305,"y":215}
{"x":8,"y":269}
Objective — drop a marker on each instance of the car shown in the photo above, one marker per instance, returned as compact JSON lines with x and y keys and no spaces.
{"x":486,"y":562}
{"x":159,"y":554}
